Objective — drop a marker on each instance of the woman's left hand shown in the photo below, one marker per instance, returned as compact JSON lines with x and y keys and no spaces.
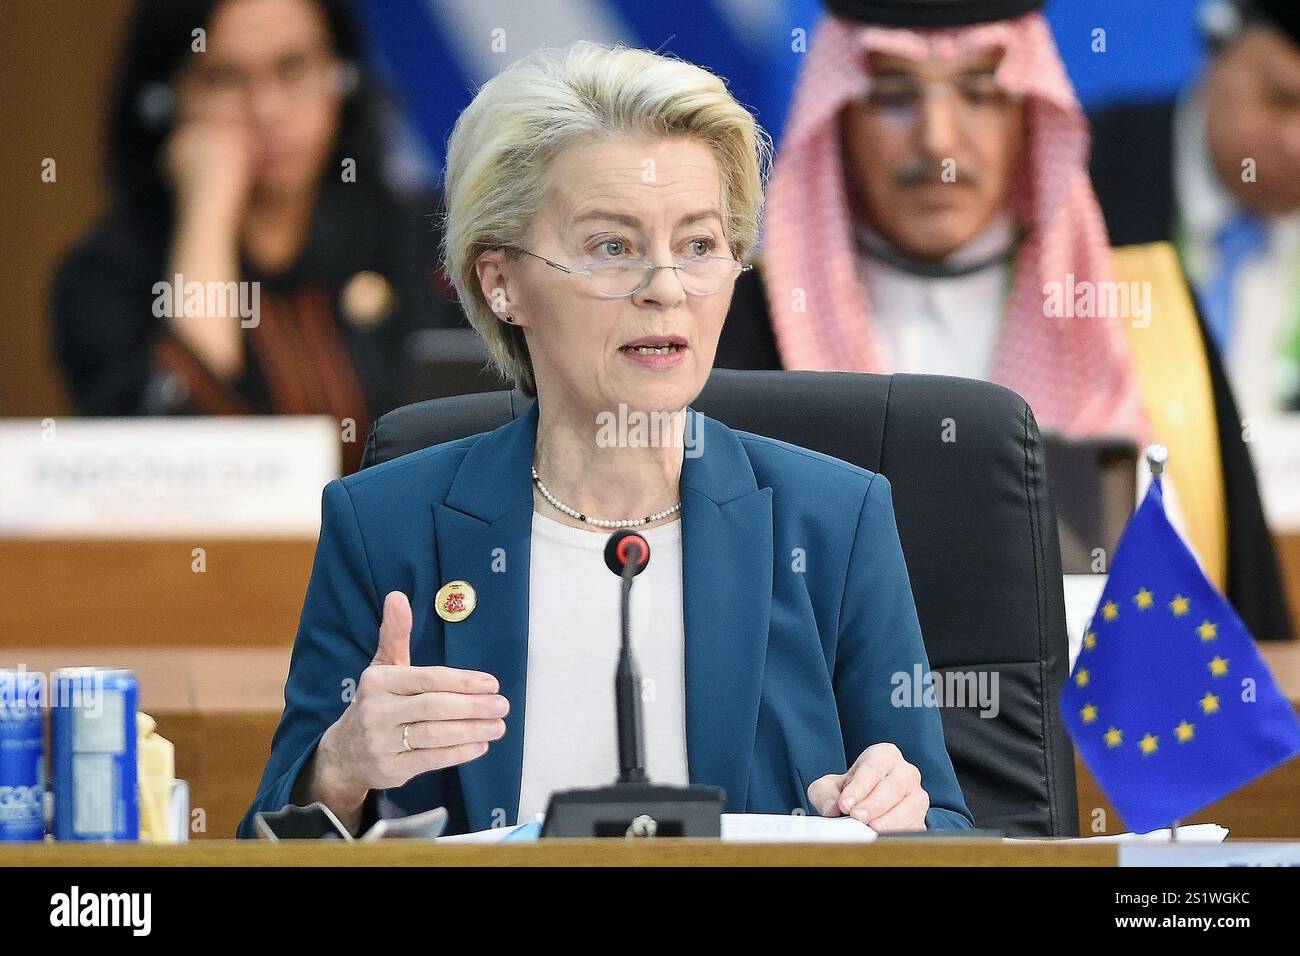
{"x":881,"y":789}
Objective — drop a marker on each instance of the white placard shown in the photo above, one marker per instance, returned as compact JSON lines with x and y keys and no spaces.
{"x":1082,"y":595}
{"x":165,"y":477}
{"x":1274,"y":445}
{"x":1275,"y":853}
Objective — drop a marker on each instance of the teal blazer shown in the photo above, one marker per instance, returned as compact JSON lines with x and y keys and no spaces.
{"x":796,"y":600}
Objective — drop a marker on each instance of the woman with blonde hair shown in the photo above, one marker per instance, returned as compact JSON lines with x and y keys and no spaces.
{"x":456,"y":645}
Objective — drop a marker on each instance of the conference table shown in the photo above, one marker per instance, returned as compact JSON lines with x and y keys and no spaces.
{"x":901,"y":851}
{"x":623,"y":853}
{"x":211,"y":651}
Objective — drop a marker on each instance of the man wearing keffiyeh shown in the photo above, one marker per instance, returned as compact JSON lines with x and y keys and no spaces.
{"x":929,"y":207}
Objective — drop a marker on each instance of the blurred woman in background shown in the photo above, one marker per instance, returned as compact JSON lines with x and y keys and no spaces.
{"x":247,"y":145}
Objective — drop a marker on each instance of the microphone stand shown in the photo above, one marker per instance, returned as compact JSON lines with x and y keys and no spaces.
{"x":627,"y":692}
{"x":632,"y":806}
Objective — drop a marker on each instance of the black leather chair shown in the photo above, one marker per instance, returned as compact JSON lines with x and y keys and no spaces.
{"x":978,"y":529}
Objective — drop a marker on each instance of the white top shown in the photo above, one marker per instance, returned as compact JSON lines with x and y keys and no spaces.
{"x":570,"y":734}
{"x":941,"y":326}
{"x":1264,"y":287}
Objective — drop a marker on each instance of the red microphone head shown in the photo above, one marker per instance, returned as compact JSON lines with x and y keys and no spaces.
{"x":627,"y":547}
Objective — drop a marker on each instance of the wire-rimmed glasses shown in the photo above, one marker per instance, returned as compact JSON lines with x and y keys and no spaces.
{"x":623,"y":277}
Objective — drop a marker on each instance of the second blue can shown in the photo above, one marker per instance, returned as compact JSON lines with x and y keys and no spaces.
{"x":93,"y":744}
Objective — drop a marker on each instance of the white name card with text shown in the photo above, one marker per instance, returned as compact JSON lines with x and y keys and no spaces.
{"x":165,"y":477}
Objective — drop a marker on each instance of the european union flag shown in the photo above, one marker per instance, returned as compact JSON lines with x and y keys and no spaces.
{"x":1169,"y":703}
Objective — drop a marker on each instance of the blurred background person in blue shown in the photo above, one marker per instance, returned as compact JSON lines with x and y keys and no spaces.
{"x":249,"y":144}
{"x":1217,"y":172}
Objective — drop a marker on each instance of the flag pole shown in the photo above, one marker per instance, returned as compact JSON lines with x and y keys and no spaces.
{"x":1157,"y":457}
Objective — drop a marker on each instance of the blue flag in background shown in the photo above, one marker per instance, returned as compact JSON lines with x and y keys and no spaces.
{"x":1169,"y":703}
{"x":435,"y":53}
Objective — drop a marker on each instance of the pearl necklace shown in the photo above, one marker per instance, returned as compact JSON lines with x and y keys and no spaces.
{"x":600,"y":522}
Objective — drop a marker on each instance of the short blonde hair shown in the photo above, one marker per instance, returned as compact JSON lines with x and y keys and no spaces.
{"x":504,"y":144}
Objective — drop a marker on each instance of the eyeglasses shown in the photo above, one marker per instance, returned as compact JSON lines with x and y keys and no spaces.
{"x":620,"y":278}
{"x":299,"y":78}
{"x":977,"y":97}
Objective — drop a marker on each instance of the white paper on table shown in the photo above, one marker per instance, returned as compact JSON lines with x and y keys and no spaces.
{"x":739,"y":828}
{"x":1192,"y":833}
{"x":793,"y":828}
{"x":494,"y":835}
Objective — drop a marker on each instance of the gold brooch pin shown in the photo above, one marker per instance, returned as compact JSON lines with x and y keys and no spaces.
{"x":455,"y":601}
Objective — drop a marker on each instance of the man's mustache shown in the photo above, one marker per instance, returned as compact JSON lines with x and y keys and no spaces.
{"x":924,"y":172}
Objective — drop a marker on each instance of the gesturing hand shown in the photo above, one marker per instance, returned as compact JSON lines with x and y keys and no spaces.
{"x":406,"y":720}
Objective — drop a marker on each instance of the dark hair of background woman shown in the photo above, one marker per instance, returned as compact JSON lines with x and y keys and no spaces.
{"x":158,"y":40}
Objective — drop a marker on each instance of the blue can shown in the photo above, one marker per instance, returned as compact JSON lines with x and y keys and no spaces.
{"x":22,"y":755}
{"x":93,"y":743}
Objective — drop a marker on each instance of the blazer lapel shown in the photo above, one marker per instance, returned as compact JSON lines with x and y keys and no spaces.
{"x":483,"y":532}
{"x":727,"y":556}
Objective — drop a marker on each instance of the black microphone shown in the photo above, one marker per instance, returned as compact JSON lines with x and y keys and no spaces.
{"x":632,"y":806}
{"x":627,"y":554}
{"x":617,"y":552}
